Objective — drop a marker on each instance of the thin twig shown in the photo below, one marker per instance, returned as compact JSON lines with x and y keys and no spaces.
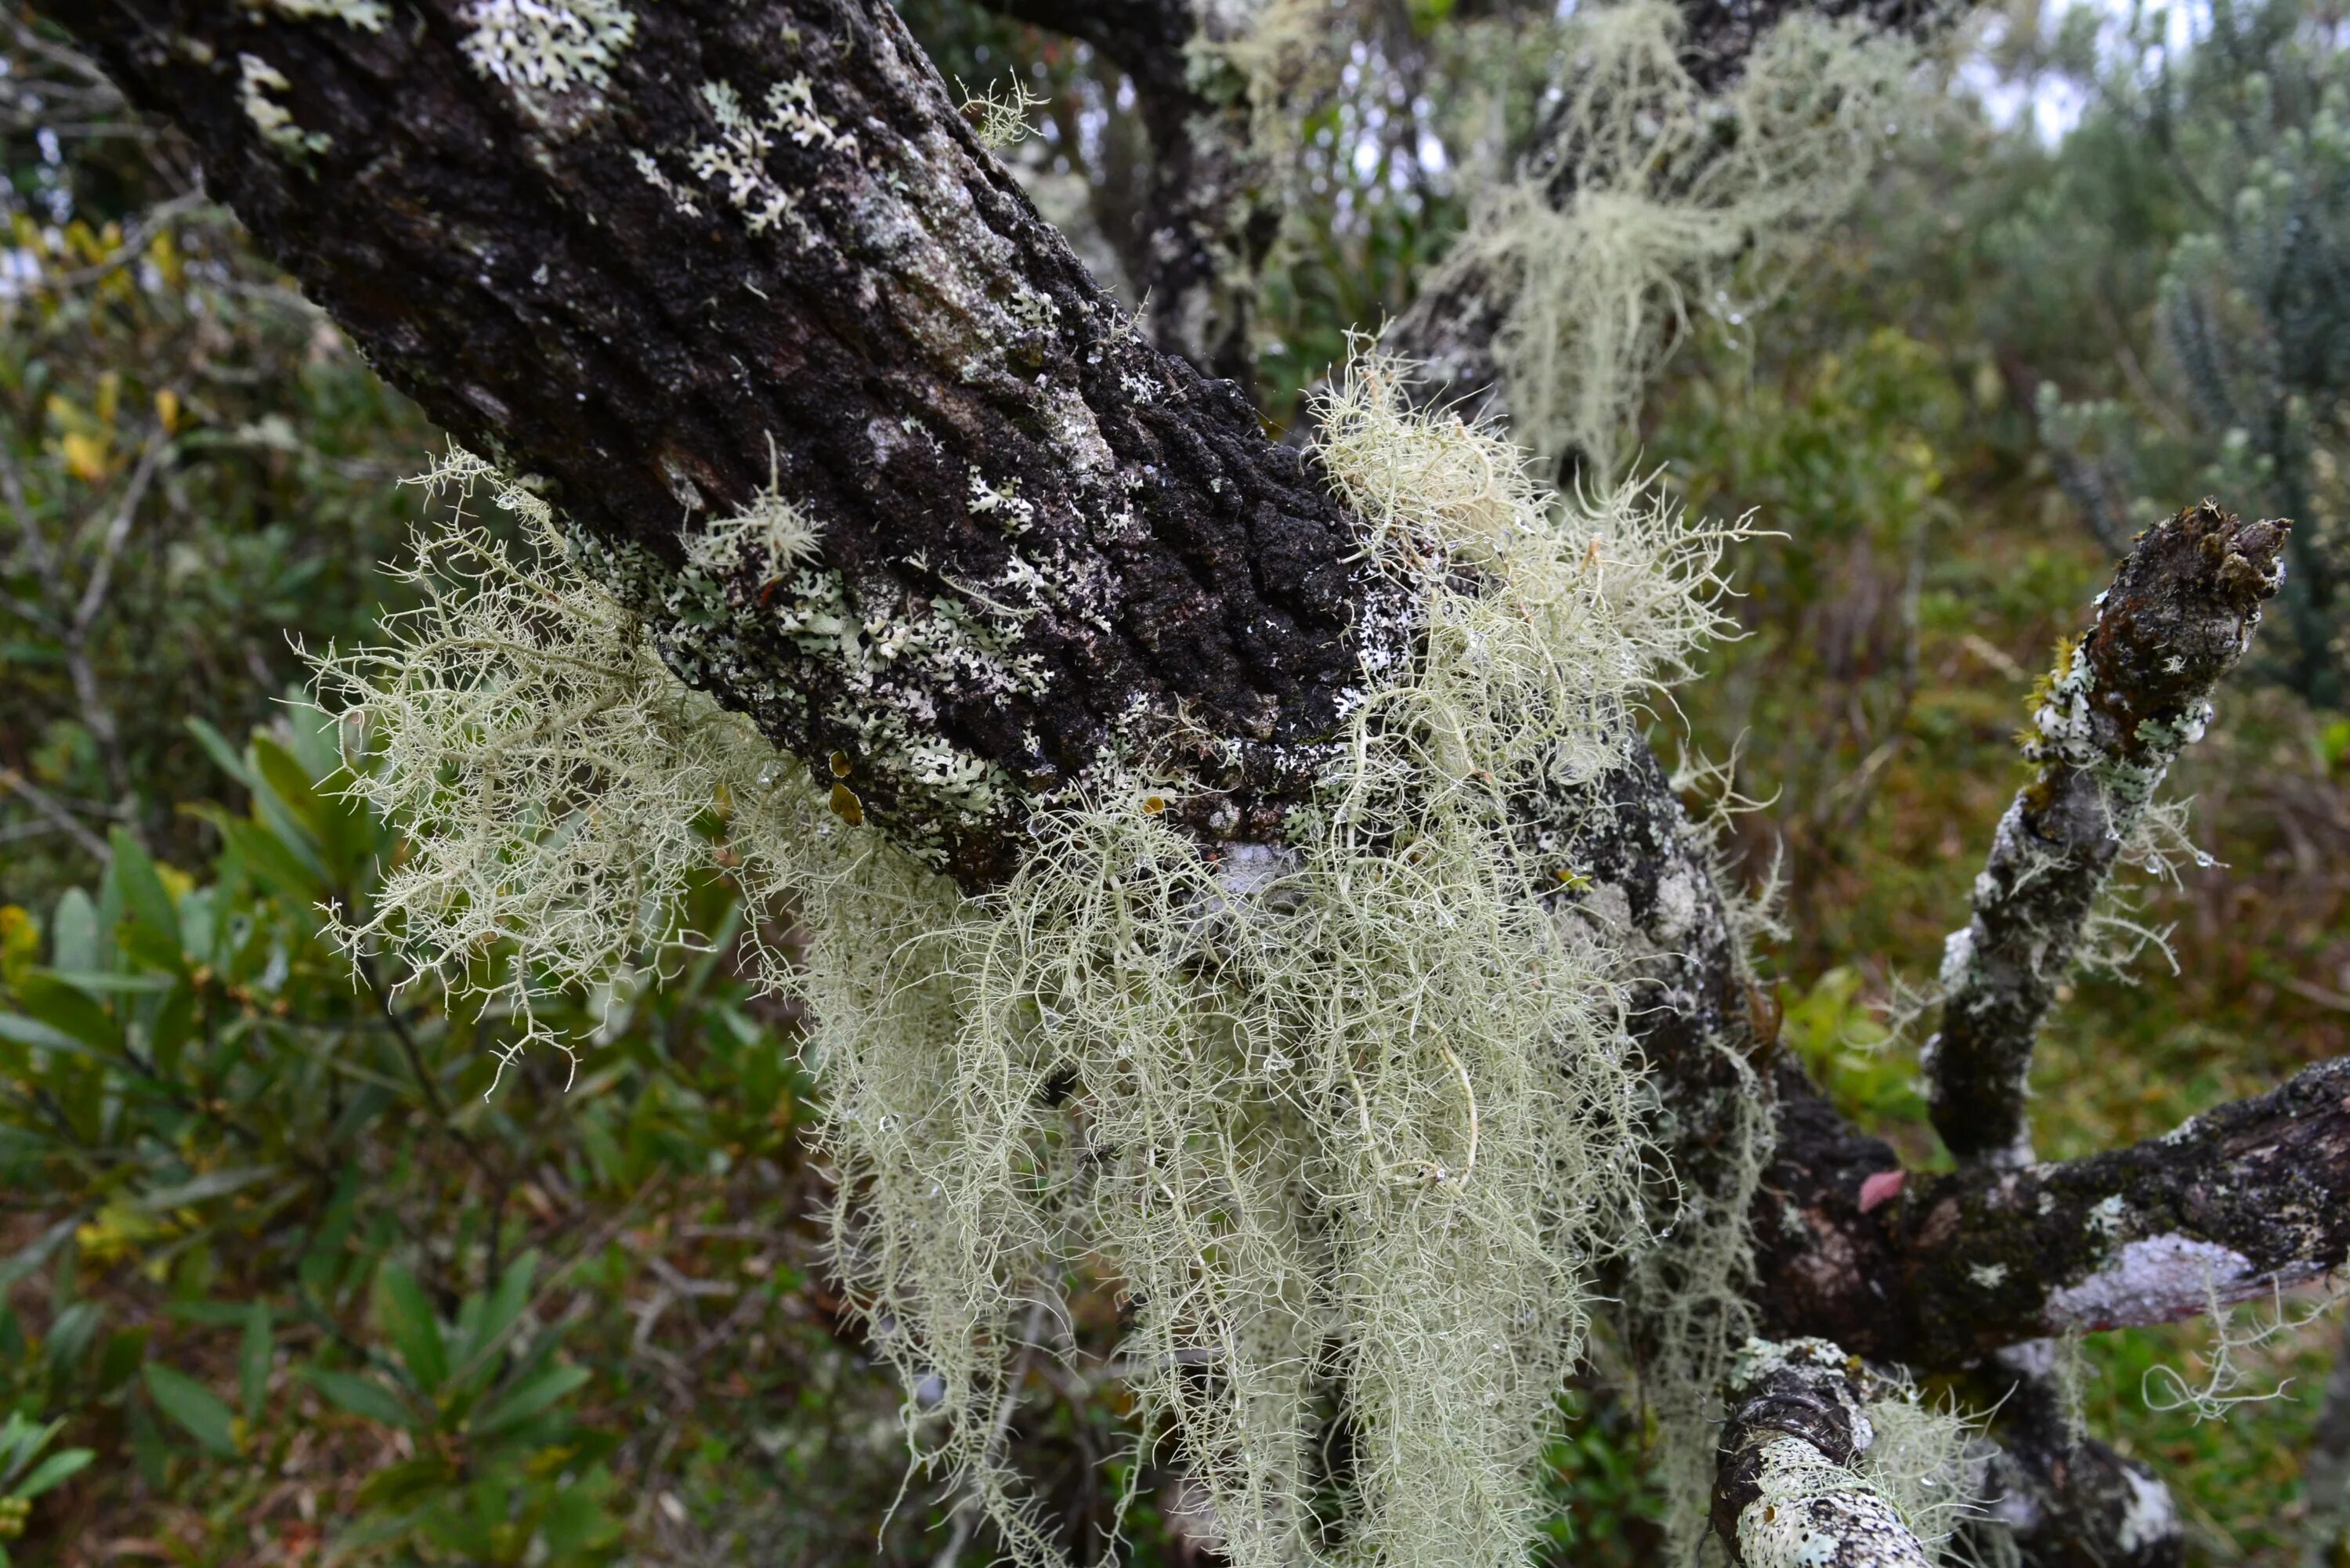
{"x":55,"y":810}
{"x":134,"y":244}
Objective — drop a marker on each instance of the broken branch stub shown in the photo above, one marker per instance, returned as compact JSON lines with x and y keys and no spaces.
{"x":2107,"y":722}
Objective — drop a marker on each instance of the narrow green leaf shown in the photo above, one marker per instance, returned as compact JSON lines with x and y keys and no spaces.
{"x":63,"y":1008}
{"x":407,"y":1314}
{"x":144,"y":896}
{"x":73,"y":932}
{"x":224,"y":755}
{"x":363,"y":1397}
{"x":253,"y":1358}
{"x":268,"y":856}
{"x":53,"y":1471}
{"x":533,"y":1395}
{"x":210,"y":1185}
{"x":27,"y":1031}
{"x":205,"y":1414}
{"x":505,"y":1304}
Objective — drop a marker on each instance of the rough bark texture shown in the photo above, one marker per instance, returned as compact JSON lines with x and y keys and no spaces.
{"x":758,"y":246}
{"x":1207,"y":221}
{"x":766,"y":245}
{"x":2226,"y":1207}
{"x":2066,"y":1499}
{"x":2113,"y":717}
{"x":1787,"y":1495}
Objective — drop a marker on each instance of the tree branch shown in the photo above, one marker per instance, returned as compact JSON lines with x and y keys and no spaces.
{"x":2231,"y":1205}
{"x":765,"y":230}
{"x":2111,"y":719}
{"x":2065,"y":1499}
{"x":1452,"y":327}
{"x":1206,"y":222}
{"x":1788,"y":1493}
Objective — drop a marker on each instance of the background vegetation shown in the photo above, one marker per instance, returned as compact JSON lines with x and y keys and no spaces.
{"x":284,"y":1278}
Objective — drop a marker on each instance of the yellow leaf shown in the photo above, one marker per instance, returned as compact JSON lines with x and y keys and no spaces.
{"x":167,"y":410}
{"x":85,"y":457}
{"x":20,"y":942}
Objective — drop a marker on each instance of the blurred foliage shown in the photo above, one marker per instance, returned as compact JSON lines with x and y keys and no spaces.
{"x":275,"y":1256}
{"x":2205,"y":246}
{"x":196,"y":464}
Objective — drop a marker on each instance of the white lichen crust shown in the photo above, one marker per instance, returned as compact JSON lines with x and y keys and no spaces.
{"x":1812,"y":1512}
{"x":552,"y":47}
{"x":1796,"y":1488}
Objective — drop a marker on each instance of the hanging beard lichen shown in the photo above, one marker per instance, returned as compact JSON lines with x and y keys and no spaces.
{"x":1350,"y":1121}
{"x":1651,"y":196}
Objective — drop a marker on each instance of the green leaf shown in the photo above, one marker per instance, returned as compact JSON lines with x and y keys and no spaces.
{"x":108,"y":982}
{"x":286,"y":793}
{"x":224,"y":755}
{"x":210,"y":1185}
{"x":399,"y":1485}
{"x":27,"y":1031}
{"x":70,"y":1334}
{"x":535,"y":1395}
{"x":53,"y":1471}
{"x":268,"y":856}
{"x":414,"y":1329}
{"x":144,"y":896}
{"x":205,"y":1414}
{"x":73,"y":932}
{"x":505,"y":1305}
{"x":363,"y":1397}
{"x":253,"y":1358}
{"x":68,"y":1010}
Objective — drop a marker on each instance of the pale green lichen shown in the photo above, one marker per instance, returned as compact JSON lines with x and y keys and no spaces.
{"x":368,"y":16}
{"x":1353,"y":1117}
{"x":1000,"y":115}
{"x":1929,"y":1459}
{"x":256,"y":80}
{"x":552,"y":47}
{"x":771,"y":537}
{"x":1677,"y":202}
{"x":736,"y":162}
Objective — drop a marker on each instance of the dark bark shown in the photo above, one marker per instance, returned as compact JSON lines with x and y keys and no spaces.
{"x":2066,"y":1499}
{"x":930,"y":372}
{"x":2111,"y":718}
{"x":2229,"y":1206}
{"x":1207,"y":219}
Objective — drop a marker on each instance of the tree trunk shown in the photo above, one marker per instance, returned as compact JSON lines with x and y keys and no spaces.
{"x":667,"y":263}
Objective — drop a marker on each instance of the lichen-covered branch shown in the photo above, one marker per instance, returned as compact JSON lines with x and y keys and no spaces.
{"x":1208,"y":218}
{"x":2110,"y":719}
{"x":680,"y":263}
{"x":1455,"y":326}
{"x":2066,"y":1499}
{"x":1789,"y":1493}
{"x":2229,"y":1206}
